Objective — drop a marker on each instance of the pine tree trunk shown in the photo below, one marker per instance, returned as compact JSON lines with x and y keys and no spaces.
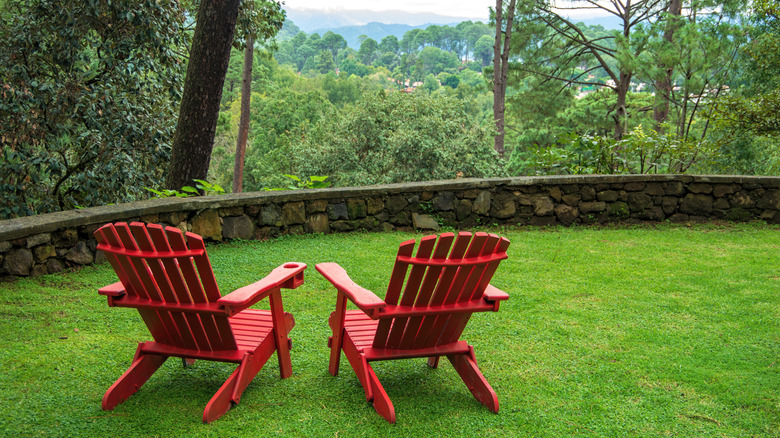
{"x":243,"y":124}
{"x":209,"y":57}
{"x":501,"y":70}
{"x":663,"y":87}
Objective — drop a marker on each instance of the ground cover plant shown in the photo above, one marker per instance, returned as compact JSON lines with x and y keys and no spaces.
{"x":636,"y":331}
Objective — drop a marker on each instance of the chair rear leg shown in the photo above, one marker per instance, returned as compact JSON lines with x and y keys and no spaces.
{"x":466,"y":366}
{"x":382,"y":404}
{"x":144,"y":365}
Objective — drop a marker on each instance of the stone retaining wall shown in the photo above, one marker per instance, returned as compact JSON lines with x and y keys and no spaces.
{"x":52,"y":242}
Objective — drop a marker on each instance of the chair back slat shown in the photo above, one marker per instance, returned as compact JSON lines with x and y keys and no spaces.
{"x":182,"y":275}
{"x":433,"y":276}
{"x":159,"y":326}
{"x":442,"y":272}
{"x":412,"y":289}
{"x":394,"y":291}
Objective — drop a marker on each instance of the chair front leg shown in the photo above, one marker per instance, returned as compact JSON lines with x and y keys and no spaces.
{"x":280,"y":333}
{"x":336,"y":341}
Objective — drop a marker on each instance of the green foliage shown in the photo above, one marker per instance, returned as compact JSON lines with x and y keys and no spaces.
{"x":88,"y":101}
{"x":201,"y":187}
{"x":639,"y":151}
{"x":395,"y":137}
{"x":312,"y":182}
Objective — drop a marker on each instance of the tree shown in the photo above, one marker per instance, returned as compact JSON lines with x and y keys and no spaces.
{"x":396,"y":137}
{"x":209,"y":57}
{"x":367,"y":52}
{"x":501,"y":49}
{"x":483,"y":50}
{"x":389,"y":44}
{"x":88,"y":101}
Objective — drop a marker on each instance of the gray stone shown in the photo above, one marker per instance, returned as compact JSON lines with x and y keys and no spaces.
{"x":294,"y":213}
{"x":81,"y":255}
{"x":556,"y":193}
{"x":638,"y":201}
{"x":566,"y":214}
{"x":5,"y":246}
{"x":424,"y":222}
{"x":232,"y":211}
{"x":543,"y":206}
{"x":317,"y":206}
{"x":463,"y":208}
{"x":572,"y":199}
{"x":340,"y":226}
{"x":503,"y":207}
{"x":443,"y":201}
{"x":207,"y":224}
{"x":592,"y":207}
{"x":374,"y":206}
{"x":608,"y":196}
{"x":674,"y":188}
{"x":742,"y":199}
{"x":18,"y":262}
{"x":588,"y":193}
{"x":38,"y":239}
{"x":66,"y":238}
{"x":356,"y":208}
{"x":482,"y":203}
{"x":700,"y":188}
{"x":634,"y":186}
{"x":338,"y":211}
{"x":618,"y":210}
{"x":238,"y":227}
{"x":721,"y":190}
{"x":678,"y":218}
{"x":43,"y":252}
{"x":696,"y":204}
{"x":721,"y":204}
{"x":654,"y":189}
{"x":56,"y":265}
{"x":394,"y":204}
{"x":770,"y":200}
{"x":271,"y":215}
{"x":401,"y":219}
{"x":318,"y":223}
{"x":669,"y":204}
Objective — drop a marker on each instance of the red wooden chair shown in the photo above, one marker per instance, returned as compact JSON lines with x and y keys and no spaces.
{"x":171,"y":283}
{"x":429,"y":300}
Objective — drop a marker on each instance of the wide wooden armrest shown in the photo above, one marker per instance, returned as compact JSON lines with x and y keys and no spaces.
{"x":495,"y":296}
{"x":288,"y":276}
{"x":363,"y":298}
{"x":113,"y":290}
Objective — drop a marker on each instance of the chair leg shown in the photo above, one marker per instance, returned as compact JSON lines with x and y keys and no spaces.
{"x":144,"y":365}
{"x":466,"y":366}
{"x":382,"y":403}
{"x":433,"y":361}
{"x":229,"y":393}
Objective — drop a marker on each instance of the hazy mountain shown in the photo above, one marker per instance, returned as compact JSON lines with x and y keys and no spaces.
{"x":376,"y":31}
{"x":314,"y":20}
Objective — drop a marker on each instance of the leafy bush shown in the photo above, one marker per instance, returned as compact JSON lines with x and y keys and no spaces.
{"x":396,"y":137}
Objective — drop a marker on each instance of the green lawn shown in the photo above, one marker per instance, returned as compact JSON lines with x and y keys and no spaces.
{"x":614,"y":332}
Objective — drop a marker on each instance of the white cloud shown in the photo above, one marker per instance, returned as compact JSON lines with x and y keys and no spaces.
{"x":458,"y":8}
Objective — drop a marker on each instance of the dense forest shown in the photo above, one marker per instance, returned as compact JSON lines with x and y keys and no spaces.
{"x":90,"y":98}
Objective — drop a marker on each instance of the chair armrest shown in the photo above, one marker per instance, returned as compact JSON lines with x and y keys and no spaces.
{"x":113,"y":290}
{"x":363,"y":298}
{"x":288,"y":276}
{"x":494,"y":295}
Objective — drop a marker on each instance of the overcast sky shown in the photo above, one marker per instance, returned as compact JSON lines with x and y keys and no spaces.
{"x":453,"y":8}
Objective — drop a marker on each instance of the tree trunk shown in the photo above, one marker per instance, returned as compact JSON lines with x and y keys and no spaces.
{"x":243,"y":124}
{"x":501,"y":70}
{"x":621,"y":91}
{"x":663,"y":86}
{"x":209,"y":57}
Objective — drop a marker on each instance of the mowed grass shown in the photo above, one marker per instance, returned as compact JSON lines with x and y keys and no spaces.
{"x":613,"y":332}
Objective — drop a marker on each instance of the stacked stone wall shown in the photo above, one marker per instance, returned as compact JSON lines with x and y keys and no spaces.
{"x":50,"y":243}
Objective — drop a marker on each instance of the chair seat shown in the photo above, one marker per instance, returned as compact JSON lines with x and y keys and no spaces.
{"x":360,"y":328}
{"x":251,"y":327}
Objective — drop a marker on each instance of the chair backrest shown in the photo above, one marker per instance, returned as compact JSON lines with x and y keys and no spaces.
{"x":447,"y":270}
{"x":171,"y":281}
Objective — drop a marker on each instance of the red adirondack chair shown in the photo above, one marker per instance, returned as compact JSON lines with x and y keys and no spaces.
{"x":423,"y":314}
{"x":170,"y":282}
